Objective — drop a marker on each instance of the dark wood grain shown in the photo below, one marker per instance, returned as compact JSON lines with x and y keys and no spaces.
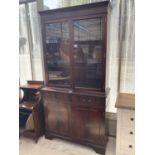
{"x":56,"y":112}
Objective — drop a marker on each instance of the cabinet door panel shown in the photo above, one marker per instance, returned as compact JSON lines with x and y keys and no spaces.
{"x":79,"y":119}
{"x":56,"y":113}
{"x":63,"y":111}
{"x":87,"y":125}
{"x":96,"y":128}
{"x":50,"y":110}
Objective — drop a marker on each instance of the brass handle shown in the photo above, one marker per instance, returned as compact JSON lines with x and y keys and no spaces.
{"x":130,"y":146}
{"x":131,"y":133}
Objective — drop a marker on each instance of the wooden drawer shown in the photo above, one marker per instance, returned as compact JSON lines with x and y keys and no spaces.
{"x":124,"y":152}
{"x":125,"y":132}
{"x":126,"y":118}
{"x":88,"y":101}
{"x":128,"y":134}
{"x":127,"y":141}
{"x":128,"y":149}
{"x":126,"y":144}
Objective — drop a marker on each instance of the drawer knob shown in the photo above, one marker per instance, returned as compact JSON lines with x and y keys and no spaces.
{"x":130,"y":146}
{"x":132,"y":119}
{"x":83,"y":100}
{"x":131,"y":133}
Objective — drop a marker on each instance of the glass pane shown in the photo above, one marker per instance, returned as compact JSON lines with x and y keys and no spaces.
{"x":57,"y":45}
{"x":87,"y":52}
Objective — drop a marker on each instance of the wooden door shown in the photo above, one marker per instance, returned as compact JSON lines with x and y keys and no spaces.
{"x":79,"y":119}
{"x":96,"y":126}
{"x":87,"y":125}
{"x":56,"y":113}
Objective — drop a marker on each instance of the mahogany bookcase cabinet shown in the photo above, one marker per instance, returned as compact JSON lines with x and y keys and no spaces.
{"x":74,"y":98}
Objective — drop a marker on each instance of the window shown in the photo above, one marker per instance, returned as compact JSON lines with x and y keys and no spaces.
{"x":29,"y":43}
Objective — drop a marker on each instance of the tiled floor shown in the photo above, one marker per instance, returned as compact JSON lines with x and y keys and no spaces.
{"x":59,"y":147}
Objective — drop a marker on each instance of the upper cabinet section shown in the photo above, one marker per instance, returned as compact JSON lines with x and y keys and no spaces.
{"x":74,"y":44}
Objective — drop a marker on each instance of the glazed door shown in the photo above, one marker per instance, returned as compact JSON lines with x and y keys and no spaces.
{"x":87,"y":125}
{"x":88,"y":52}
{"x":56,"y":112}
{"x":57,"y":47}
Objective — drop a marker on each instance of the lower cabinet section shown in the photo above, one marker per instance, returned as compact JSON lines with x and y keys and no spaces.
{"x":79,"y":118}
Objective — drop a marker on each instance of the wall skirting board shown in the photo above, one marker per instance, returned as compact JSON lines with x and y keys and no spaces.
{"x":111,"y":119}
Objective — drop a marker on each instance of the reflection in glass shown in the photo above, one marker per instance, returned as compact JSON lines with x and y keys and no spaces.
{"x":87,"y":52}
{"x":57,"y":45}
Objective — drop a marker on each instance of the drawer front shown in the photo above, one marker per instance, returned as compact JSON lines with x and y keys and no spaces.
{"x":88,"y":101}
{"x":128,"y":118}
{"x":128,"y":148}
{"x":128,"y":134}
{"x":124,"y":152}
{"x":127,"y":142}
{"x":125,"y":132}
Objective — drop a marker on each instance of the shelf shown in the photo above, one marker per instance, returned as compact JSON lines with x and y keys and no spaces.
{"x":59,"y":78}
